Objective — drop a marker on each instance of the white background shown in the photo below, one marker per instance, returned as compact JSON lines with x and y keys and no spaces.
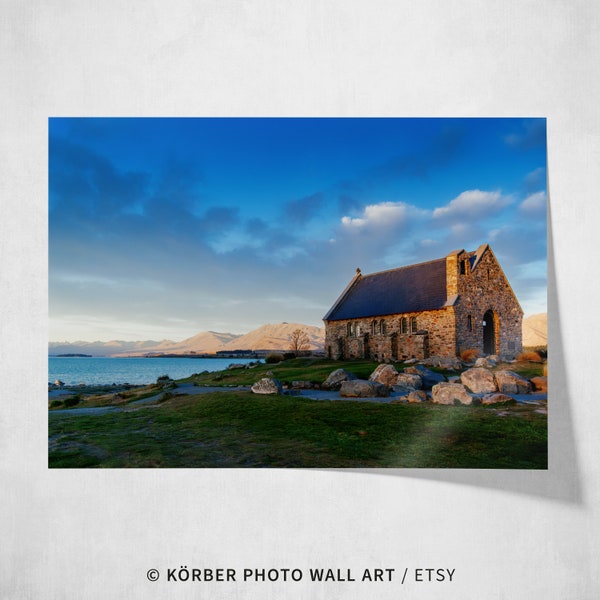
{"x":93,"y":533}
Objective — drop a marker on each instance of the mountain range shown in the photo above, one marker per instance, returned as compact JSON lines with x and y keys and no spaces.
{"x":266,"y":337}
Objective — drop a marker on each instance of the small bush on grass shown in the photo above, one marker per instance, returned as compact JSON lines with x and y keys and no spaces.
{"x":529,"y":357}
{"x":273,"y":357}
{"x":56,"y":403}
{"x":541,"y":350}
{"x":469,"y":355}
{"x":72,"y":400}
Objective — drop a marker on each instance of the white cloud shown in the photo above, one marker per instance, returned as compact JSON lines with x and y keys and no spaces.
{"x":534,"y":204}
{"x":460,"y":229}
{"x":381,"y":215}
{"x":472,"y":204}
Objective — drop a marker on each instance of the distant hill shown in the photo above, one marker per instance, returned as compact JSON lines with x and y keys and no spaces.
{"x":277,"y":337}
{"x":205,"y":342}
{"x":103,"y":348}
{"x":535,"y":330}
{"x":266,"y":337}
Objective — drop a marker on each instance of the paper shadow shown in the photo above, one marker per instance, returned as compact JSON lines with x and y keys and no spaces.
{"x":562,"y":480}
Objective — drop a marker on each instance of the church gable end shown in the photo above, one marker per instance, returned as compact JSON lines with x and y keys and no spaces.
{"x":488,"y":314}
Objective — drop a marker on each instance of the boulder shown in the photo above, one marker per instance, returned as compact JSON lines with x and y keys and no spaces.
{"x":451,"y":363}
{"x":417,"y":396}
{"x":497,"y":399}
{"x":335,"y":379}
{"x":540,"y":384}
{"x":479,"y":380}
{"x":450,"y":393}
{"x":409,"y":381}
{"x":511,"y":383}
{"x":359,"y":388}
{"x":385,"y":374}
{"x":267,"y":385}
{"x":429,"y":378}
{"x":486,"y":361}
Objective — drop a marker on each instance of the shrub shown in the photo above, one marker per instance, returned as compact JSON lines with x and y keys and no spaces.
{"x":166,"y":396}
{"x":469,"y":355}
{"x":72,"y":400}
{"x":529,"y":357}
{"x":273,"y":357}
{"x":56,"y":403}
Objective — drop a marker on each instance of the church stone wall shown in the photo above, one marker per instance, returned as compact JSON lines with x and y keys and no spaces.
{"x":434,"y":336}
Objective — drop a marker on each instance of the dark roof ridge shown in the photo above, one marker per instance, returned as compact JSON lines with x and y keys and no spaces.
{"x":427,"y":262}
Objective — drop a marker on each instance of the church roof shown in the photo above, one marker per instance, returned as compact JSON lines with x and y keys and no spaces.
{"x":414,"y":288}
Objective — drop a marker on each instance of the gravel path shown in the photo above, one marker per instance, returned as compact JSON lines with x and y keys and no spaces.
{"x":193,"y":390}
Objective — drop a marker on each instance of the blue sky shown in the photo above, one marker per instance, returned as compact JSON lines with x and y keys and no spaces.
{"x":162,"y":228}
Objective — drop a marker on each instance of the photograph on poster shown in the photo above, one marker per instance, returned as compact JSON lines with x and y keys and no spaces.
{"x":297,"y":292}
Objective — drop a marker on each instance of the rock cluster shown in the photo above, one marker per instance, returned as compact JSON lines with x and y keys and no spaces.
{"x":428,"y":377}
{"x":416,"y":383}
{"x":336,"y":378}
{"x":359,"y":388}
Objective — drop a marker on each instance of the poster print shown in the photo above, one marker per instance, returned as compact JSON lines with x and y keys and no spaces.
{"x":297,"y":292}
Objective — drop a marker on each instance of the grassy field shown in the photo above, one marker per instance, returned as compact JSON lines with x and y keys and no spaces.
{"x":240,"y":429}
{"x":305,"y":369}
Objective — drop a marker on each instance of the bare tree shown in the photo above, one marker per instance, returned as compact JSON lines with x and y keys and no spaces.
{"x":299,"y":342}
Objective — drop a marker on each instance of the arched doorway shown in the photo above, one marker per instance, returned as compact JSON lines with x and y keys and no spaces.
{"x":367,"y":347}
{"x":489,"y":332}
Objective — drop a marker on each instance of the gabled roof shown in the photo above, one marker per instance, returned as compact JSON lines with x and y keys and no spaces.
{"x":407,"y":289}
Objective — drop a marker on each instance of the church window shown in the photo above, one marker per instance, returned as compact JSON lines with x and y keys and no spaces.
{"x":404,"y":325}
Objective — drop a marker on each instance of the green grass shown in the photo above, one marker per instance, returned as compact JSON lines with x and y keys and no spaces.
{"x":240,"y":429}
{"x":297,"y":369}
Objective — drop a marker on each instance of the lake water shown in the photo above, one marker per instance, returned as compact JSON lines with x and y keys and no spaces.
{"x":106,"y":371}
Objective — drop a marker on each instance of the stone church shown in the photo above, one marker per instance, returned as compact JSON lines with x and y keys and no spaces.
{"x":437,"y":308}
